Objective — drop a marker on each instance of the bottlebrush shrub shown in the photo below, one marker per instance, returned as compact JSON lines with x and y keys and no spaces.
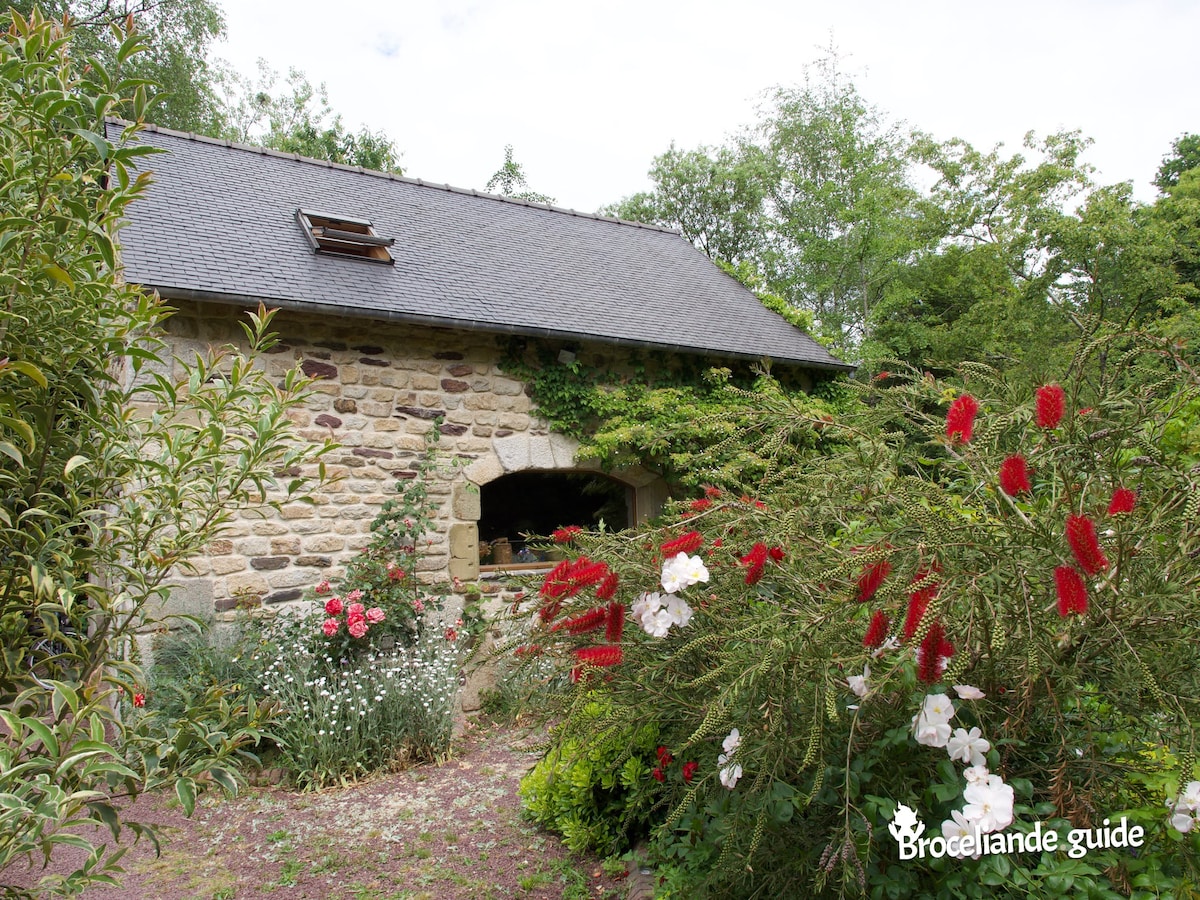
{"x":799,"y":703}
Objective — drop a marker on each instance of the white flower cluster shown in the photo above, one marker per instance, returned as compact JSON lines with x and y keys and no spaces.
{"x":988,"y":800}
{"x":730,"y":773}
{"x":655,"y":612}
{"x":1185,"y":809}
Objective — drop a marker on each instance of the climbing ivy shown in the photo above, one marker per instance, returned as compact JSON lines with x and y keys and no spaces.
{"x":693,"y":424}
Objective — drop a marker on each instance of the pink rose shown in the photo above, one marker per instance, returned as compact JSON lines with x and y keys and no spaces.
{"x":330,"y":627}
{"x":375,"y":615}
{"x":355,"y":610}
{"x":354,"y":595}
{"x":357,"y":628}
{"x":395,"y":573}
{"x":333,"y":606}
{"x":323,"y":587}
{"x":418,"y":605}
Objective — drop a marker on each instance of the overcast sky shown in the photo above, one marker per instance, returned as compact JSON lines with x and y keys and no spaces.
{"x":588,"y":93}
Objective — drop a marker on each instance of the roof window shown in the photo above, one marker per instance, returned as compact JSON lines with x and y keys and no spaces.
{"x":339,"y":236}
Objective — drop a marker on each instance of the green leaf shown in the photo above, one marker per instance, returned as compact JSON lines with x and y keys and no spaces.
{"x":43,"y":733}
{"x":74,"y":463}
{"x":185,"y":790}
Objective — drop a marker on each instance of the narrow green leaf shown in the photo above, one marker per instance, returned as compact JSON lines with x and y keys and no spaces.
{"x":185,"y":790}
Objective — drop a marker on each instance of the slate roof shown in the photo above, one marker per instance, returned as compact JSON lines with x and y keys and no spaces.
{"x":219,"y":224}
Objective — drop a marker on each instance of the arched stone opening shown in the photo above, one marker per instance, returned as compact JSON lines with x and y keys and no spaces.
{"x":544,"y":455}
{"x":537,"y":502}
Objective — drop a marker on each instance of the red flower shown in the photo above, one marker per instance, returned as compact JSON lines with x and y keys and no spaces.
{"x":754,"y":562}
{"x":919,"y":600}
{"x":711,"y":492}
{"x":615,"y":625}
{"x":871,"y":578}
{"x":776,"y":554}
{"x":883,"y":375}
{"x":878,"y":629}
{"x":451,"y":634}
{"x":565,"y":535}
{"x":333,"y":606}
{"x":608,"y":586}
{"x":583,"y":623}
{"x":1122,"y":501}
{"x":689,"y":771}
{"x":685,"y":543}
{"x":933,"y":653}
{"x":1072,"y":593}
{"x":700,"y":505}
{"x":658,"y":774}
{"x":960,"y":419}
{"x":331,"y":626}
{"x":1081,"y":535}
{"x":323,"y":587}
{"x":1014,"y":477}
{"x":1050,"y":402}
{"x":664,"y":756}
{"x":139,"y":699}
{"x":530,"y":650}
{"x":609,"y":655}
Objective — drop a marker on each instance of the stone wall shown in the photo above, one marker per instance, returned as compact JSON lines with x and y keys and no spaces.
{"x":379,"y":388}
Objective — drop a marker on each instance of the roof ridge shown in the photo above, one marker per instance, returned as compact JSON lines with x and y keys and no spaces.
{"x":389,"y":176}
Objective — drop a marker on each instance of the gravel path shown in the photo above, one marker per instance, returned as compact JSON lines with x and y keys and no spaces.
{"x":450,"y":832}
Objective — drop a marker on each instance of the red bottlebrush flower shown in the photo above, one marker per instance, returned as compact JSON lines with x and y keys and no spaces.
{"x":960,"y":418}
{"x":871,"y":578}
{"x":689,"y":771}
{"x":1081,"y":535}
{"x":699,"y":506}
{"x":918,"y":602}
{"x":550,"y":610}
{"x":602,"y":655}
{"x":878,"y":629}
{"x":554,"y":584}
{"x":883,"y":376}
{"x":685,"y":543}
{"x":608,"y":587}
{"x":614,"y":628}
{"x":585,"y":573}
{"x":565,"y":535}
{"x":930,"y":658}
{"x":576,"y":674}
{"x":1072,"y":592}
{"x":583,"y":623}
{"x":658,"y":774}
{"x":664,"y":756}
{"x":776,"y":554}
{"x":1050,"y":401}
{"x":754,"y":562}
{"x":711,"y":492}
{"x":1123,"y":500}
{"x":1014,"y":477}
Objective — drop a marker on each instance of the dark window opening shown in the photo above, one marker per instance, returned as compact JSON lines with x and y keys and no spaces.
{"x":339,"y":236}
{"x":537,"y":503}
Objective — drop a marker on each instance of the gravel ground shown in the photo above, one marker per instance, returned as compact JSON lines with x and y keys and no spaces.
{"x":448,"y":832}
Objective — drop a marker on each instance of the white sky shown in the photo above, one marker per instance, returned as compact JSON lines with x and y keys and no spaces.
{"x":588,"y":93}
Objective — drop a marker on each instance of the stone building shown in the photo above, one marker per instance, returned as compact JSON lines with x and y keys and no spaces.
{"x":401,"y":297}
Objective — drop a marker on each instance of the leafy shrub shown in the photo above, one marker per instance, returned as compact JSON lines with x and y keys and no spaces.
{"x":788,"y":645}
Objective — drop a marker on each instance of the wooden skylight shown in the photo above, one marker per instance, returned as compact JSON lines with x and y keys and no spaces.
{"x":341,"y":236}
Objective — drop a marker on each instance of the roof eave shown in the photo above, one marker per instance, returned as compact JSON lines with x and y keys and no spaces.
{"x":245,"y":300}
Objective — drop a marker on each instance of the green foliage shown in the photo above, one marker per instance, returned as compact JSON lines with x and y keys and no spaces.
{"x":694,"y":427}
{"x":595,"y":794}
{"x":509,"y":181}
{"x":112,"y":475}
{"x":299,"y":119}
{"x":1087,"y":715}
{"x":1184,"y":156}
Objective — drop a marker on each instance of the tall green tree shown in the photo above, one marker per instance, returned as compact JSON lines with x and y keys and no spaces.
{"x":297,"y":118}
{"x":509,"y":181}
{"x":184,"y":82}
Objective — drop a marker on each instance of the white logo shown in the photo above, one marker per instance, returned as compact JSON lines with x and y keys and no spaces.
{"x":958,"y":842}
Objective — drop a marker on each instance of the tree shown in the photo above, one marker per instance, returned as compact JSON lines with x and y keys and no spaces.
{"x":713,"y":195}
{"x":1184,"y":155}
{"x":509,"y":181}
{"x":111,"y":474}
{"x":298,"y":119}
{"x":184,"y":83}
